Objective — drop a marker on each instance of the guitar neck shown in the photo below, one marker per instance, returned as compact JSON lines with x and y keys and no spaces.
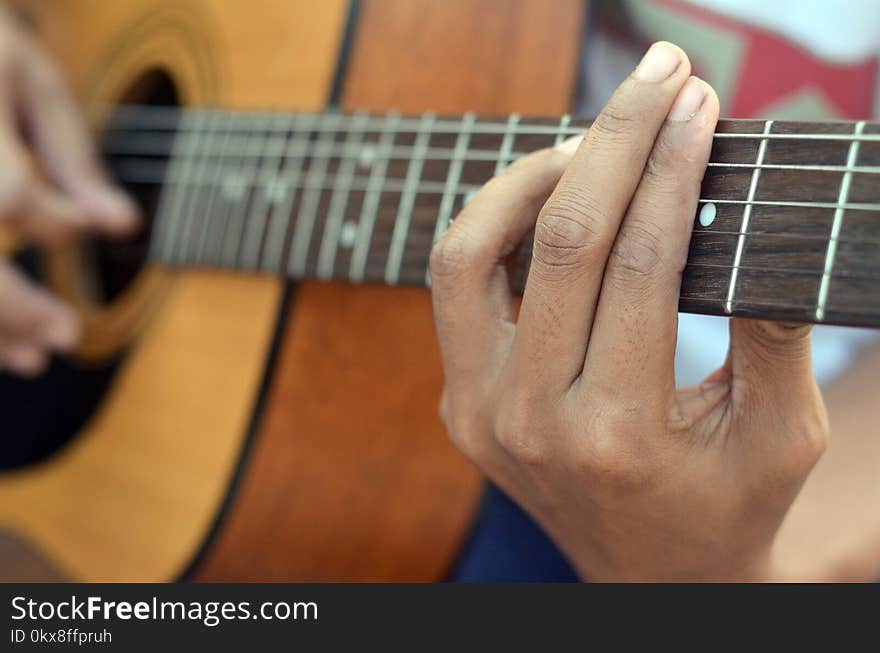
{"x":788,"y":224}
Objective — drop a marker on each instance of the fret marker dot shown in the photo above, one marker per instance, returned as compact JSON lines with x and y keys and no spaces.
{"x":234,"y":187}
{"x":707,"y":214}
{"x":348,"y":235}
{"x":276,"y":191}
{"x":367,"y":156}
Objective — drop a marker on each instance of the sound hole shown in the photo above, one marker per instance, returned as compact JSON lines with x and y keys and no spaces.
{"x":116,"y":262}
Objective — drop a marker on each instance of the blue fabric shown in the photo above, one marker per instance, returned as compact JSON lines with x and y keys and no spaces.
{"x":507,"y":546}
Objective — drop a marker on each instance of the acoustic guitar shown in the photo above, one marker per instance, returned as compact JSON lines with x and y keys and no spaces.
{"x":228,"y":426}
{"x":220,"y":422}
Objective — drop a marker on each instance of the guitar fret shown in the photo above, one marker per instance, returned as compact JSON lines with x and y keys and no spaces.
{"x":201,"y":187}
{"x":506,"y":149}
{"x":366,"y":223}
{"x":564,"y":122}
{"x":207,"y":217}
{"x":447,"y":203}
{"x":216,"y":214}
{"x":230,"y":188}
{"x":231,"y":237}
{"x":747,"y":212}
{"x":339,"y":202}
{"x":264,"y":198}
{"x":305,"y":221}
{"x":287,"y":184}
{"x":176,"y":185}
{"x":825,"y":284}
{"x":407,"y":200}
{"x":793,"y":236}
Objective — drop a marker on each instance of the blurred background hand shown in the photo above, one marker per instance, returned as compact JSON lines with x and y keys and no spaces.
{"x":64,"y":193}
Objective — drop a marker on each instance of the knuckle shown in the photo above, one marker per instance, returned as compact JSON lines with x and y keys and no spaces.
{"x":637,"y":255}
{"x":462,"y":439}
{"x":566,"y":231}
{"x":670,"y":173}
{"x":464,"y":427}
{"x":613,"y":465}
{"x":657,"y":167}
{"x":521,"y":431}
{"x":782,"y":332}
{"x":814,"y":444}
{"x":666,"y":162}
{"x":800,"y":442}
{"x":452,"y":254}
{"x":615,"y":455}
{"x":811,"y":443}
{"x":615,"y":123}
{"x":777,"y":342}
{"x":607,"y":464}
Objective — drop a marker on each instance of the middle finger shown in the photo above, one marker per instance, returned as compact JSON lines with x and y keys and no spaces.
{"x":578,"y":224}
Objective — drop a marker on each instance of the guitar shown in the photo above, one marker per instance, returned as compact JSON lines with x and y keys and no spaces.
{"x":163,"y":482}
{"x":225,"y":426}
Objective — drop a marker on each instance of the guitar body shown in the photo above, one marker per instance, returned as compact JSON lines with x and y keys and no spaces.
{"x":245,"y":429}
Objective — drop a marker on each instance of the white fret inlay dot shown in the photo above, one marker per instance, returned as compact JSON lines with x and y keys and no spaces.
{"x":233,"y":187}
{"x":367,"y":156}
{"x":348,"y":235}
{"x":707,"y":214}
{"x":276,"y":191}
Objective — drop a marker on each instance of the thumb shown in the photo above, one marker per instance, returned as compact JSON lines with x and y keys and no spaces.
{"x":770,"y":353}
{"x":771,"y":369}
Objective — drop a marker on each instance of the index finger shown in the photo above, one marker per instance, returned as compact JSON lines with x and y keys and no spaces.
{"x":578,"y":225}
{"x":65,"y":146}
{"x":473,"y":303}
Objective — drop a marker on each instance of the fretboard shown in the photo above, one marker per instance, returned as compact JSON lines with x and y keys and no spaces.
{"x":788,"y":224}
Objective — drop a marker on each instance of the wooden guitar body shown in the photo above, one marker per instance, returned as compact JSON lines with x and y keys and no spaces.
{"x":247,"y":429}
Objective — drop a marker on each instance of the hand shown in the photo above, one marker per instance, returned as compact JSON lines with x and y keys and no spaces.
{"x":76,"y":197}
{"x":572,"y":408}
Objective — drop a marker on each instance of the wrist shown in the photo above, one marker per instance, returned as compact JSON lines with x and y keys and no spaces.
{"x":753,"y":569}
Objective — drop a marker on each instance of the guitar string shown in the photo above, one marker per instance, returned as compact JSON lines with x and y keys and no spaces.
{"x":168,"y":119}
{"x":536,"y":130}
{"x":408,"y":270}
{"x":705,"y":231}
{"x":440,"y":154}
{"x":413,"y":272}
{"x":415,"y":277}
{"x":416,"y":269}
{"x":419,"y":266}
{"x":427,"y":187}
{"x":393,"y":185}
{"x":404,"y":153}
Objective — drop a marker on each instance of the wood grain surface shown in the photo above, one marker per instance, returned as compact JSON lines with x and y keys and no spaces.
{"x":132,"y":498}
{"x":352,"y":476}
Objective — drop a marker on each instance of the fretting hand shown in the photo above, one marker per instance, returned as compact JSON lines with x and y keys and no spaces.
{"x":76,"y":197}
{"x":571,"y":407}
